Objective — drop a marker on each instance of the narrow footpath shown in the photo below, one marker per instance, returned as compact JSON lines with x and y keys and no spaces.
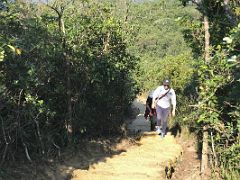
{"x":152,"y":158}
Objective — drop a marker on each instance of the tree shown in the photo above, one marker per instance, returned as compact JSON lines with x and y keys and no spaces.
{"x":212,"y":75}
{"x":61,"y":68}
{"x":59,"y":8}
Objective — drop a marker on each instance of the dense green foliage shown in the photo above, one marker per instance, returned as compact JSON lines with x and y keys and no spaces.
{"x":218,"y":108}
{"x":162,"y":49}
{"x":71,"y":69}
{"x":160,"y":43}
{"x":218,"y":85}
{"x":56,"y":86}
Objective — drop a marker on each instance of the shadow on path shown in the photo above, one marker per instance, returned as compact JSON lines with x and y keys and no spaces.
{"x":81,"y":156}
{"x":136,"y":155}
{"x":92,"y":152}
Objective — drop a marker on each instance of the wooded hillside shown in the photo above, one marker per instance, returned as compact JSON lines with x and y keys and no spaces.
{"x":70,"y":70}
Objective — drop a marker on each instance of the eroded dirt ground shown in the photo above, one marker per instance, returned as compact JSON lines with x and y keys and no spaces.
{"x":149,"y":159}
{"x":143,"y":155}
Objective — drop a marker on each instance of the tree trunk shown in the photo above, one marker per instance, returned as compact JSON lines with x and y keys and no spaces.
{"x":207,"y":39}
{"x":204,"y":159}
{"x":68,"y":120}
{"x":127,"y":10}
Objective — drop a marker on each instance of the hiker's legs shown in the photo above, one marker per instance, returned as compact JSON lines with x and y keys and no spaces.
{"x":159,"y":115}
{"x":152,"y":126}
{"x":153,"y":120}
{"x":148,"y":107}
{"x":164,"y":119}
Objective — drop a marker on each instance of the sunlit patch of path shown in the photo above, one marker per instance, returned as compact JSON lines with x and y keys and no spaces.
{"x":147,"y":160}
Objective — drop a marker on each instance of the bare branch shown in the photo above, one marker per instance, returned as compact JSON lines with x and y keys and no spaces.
{"x":213,"y":149}
{"x":204,"y":107}
{"x":26,"y":152}
{"x":4,"y":155}
{"x":54,"y":9}
{"x":4,"y":133}
{"x":39,"y":134}
{"x":6,"y":142}
{"x":18,"y":114}
{"x":59,"y":152}
{"x":229,"y":104}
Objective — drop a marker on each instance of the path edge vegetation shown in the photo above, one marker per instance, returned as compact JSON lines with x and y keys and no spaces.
{"x":85,"y":65}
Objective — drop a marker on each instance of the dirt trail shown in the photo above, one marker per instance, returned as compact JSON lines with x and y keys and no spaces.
{"x":150,"y":159}
{"x":143,"y":156}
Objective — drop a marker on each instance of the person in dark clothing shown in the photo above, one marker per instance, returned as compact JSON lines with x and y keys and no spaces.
{"x":149,"y":111}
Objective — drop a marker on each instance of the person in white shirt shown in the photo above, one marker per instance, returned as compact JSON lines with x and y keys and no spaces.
{"x":163,"y":98}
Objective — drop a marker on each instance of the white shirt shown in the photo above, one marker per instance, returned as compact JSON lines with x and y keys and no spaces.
{"x":167,"y":100}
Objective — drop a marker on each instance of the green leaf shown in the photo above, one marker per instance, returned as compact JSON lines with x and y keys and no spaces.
{"x":1,"y":55}
{"x":12,"y":48}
